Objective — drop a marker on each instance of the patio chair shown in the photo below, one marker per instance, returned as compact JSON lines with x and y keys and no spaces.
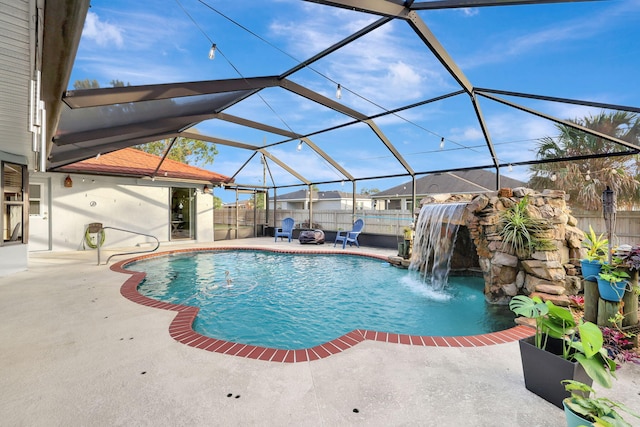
{"x":285,"y":230}
{"x":350,"y":237}
{"x":16,"y":234}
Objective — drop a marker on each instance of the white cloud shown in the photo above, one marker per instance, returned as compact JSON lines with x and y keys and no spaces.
{"x":556,"y":34}
{"x":103,"y":33}
{"x":470,"y":11}
{"x":467,"y":134}
{"x":386,"y":66}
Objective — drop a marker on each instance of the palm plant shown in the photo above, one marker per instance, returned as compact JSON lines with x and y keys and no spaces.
{"x":584,"y":180}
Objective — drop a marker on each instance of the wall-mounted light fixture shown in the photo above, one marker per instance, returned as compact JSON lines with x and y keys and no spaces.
{"x":206,"y":190}
{"x":68,"y":182}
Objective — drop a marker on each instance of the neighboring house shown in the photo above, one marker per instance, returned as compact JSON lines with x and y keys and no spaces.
{"x":241,"y":204}
{"x":473,"y":181}
{"x":121,"y":189}
{"x":322,"y":200}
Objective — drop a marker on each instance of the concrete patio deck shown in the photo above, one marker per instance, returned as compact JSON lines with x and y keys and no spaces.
{"x":75,"y":352}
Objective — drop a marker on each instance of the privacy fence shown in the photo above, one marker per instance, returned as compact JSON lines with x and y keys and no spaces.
{"x":231,"y":223}
{"x":627,"y":230}
{"x":387,"y":222}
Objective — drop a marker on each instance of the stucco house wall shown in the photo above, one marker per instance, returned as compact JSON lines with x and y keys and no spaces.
{"x":128,"y":203}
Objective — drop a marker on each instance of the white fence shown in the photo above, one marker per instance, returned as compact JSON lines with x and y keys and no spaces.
{"x":392,"y":222}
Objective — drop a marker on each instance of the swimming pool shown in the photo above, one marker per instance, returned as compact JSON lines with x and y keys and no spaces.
{"x":295,"y":301}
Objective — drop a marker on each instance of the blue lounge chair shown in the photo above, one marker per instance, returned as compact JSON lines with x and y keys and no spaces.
{"x":286,"y":230}
{"x":350,"y":237}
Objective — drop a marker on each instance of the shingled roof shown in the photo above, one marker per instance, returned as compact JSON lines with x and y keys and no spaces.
{"x":135,"y":163}
{"x":471,"y":181}
{"x":320,"y":195}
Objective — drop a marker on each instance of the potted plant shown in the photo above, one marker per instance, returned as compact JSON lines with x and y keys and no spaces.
{"x":631,"y":259}
{"x":595,"y":256}
{"x":408,"y":233}
{"x":583,"y":408}
{"x":612,"y":282}
{"x":561,"y":348}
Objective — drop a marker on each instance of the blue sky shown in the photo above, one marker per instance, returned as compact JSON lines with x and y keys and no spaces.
{"x":587,"y":51}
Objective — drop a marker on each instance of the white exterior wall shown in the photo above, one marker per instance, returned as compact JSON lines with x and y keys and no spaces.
{"x":15,"y":74}
{"x":327,"y":205}
{"x":204,"y":217}
{"x":126,"y":203}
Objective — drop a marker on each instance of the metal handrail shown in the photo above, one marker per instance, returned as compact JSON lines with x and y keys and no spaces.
{"x":129,"y":253}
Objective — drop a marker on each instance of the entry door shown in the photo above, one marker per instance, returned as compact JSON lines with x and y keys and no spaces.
{"x":39,"y":218}
{"x":182,"y":213}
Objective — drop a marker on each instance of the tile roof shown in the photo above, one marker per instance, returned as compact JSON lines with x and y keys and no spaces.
{"x":135,"y":163}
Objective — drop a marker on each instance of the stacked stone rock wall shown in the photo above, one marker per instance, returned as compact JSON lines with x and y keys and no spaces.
{"x":551,"y":273}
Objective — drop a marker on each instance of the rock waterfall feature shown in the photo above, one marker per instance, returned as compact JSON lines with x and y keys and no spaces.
{"x":436,"y":231}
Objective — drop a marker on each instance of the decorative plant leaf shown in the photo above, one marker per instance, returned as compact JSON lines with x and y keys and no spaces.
{"x":531,"y":308}
{"x":591,"y":338}
{"x":597,"y":246}
{"x":593,"y":368}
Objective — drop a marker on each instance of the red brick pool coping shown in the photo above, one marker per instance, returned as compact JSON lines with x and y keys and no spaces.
{"x":181,"y":329}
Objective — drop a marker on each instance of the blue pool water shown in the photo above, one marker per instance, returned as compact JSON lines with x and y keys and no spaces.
{"x":295,"y":301}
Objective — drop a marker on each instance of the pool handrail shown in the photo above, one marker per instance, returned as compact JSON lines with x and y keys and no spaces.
{"x":129,"y":253}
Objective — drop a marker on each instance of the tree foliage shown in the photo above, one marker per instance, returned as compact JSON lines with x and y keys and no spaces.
{"x":217,"y":202}
{"x":585,"y":180}
{"x":118,"y":83}
{"x":184,"y":150}
{"x":369,"y":191}
{"x":86,"y":84}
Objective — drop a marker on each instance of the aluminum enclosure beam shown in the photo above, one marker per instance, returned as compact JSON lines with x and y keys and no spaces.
{"x":121,"y":95}
{"x":562,"y":122}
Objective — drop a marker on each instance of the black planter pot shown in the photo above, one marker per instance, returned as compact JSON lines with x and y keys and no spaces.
{"x":545,"y":369}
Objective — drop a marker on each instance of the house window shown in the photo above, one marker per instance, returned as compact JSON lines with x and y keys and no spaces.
{"x":34,"y":199}
{"x":14,"y":181}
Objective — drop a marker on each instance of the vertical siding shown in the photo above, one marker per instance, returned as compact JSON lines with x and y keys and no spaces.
{"x":15,"y":74}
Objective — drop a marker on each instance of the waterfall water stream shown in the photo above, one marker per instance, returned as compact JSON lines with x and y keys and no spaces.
{"x":435,"y":236}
